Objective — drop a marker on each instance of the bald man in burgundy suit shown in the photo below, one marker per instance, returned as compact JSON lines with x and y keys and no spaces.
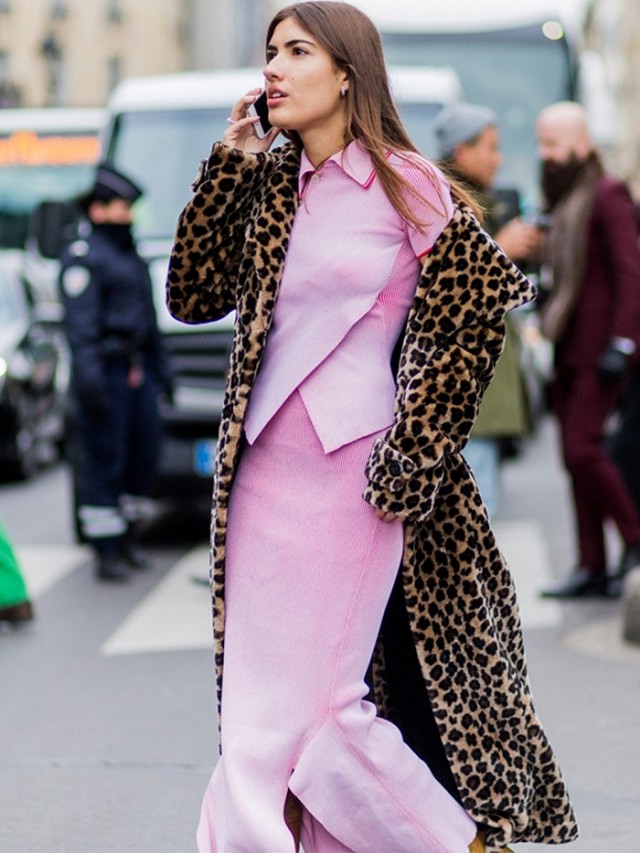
{"x":592,"y":316}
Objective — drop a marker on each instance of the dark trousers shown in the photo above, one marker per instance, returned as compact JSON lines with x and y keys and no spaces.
{"x":624,"y":443}
{"x":582,"y":405}
{"x":118,"y":454}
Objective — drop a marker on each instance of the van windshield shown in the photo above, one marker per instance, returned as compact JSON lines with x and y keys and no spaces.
{"x":418,"y":122}
{"x":161,"y":150}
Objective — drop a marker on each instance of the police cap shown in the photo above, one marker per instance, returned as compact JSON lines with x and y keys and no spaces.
{"x":108,"y":185}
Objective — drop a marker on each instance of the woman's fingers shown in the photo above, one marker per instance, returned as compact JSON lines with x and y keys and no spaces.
{"x":239,"y":109}
{"x":385,"y":516}
{"x":240,"y":133}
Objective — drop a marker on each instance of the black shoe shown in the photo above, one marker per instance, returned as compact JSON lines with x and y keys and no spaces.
{"x":583,"y":583}
{"x":16,"y":614}
{"x":630,"y":560}
{"x":615,"y":588}
{"x":112,"y":568}
{"x":134,"y":557}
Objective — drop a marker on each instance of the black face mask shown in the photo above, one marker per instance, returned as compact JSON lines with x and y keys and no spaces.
{"x":558,"y":178}
{"x":121,"y":235}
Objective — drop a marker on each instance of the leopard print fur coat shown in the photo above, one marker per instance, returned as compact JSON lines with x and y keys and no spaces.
{"x":459,"y":599}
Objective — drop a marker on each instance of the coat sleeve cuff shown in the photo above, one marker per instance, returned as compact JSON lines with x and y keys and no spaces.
{"x":398,"y":485}
{"x":222,"y":157}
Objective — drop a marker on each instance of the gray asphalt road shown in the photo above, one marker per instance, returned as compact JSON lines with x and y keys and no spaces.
{"x":107,"y":709}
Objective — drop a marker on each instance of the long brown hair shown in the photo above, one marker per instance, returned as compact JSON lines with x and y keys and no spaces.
{"x":354,"y":43}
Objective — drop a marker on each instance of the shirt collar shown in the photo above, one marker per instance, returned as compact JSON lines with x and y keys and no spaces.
{"x":352,"y":159}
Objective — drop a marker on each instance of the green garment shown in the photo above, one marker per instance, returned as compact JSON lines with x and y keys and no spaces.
{"x":504,"y":411}
{"x":12,"y":586}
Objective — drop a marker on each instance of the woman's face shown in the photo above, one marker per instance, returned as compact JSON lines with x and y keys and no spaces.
{"x":303,"y":84}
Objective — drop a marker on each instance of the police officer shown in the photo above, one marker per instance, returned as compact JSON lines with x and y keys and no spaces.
{"x":119,"y":368}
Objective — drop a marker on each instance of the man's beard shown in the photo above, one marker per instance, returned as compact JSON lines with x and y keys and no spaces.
{"x":557,"y":179}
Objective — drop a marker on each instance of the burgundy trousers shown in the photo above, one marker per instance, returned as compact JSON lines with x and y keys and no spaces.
{"x":582,"y":404}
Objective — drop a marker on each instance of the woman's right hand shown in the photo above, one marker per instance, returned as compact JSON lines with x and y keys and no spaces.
{"x":240,"y":133}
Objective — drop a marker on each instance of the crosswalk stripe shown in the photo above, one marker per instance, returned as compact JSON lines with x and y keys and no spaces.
{"x":45,"y":565}
{"x":524,"y":547}
{"x":175,"y":615}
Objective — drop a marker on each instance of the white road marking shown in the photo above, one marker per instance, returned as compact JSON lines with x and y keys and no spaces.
{"x":524,"y":547}
{"x":175,"y":615}
{"x":603,"y":640}
{"x":44,"y":565}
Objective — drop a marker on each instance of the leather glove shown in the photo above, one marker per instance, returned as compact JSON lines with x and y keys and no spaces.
{"x":168,"y":392}
{"x":613,"y":363}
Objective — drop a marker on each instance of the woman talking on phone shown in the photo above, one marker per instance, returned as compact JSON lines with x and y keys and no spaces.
{"x":340,"y":492}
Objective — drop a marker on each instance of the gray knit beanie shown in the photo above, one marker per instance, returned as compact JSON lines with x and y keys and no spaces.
{"x":459,"y":123}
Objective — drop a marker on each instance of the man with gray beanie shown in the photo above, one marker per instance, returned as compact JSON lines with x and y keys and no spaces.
{"x":468,"y":140}
{"x":469,"y":148}
{"x":461,"y":123}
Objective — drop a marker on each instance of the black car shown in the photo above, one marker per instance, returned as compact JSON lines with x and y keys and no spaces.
{"x":34,"y":377}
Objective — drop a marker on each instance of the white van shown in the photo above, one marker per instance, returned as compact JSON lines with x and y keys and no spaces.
{"x":158,"y":129}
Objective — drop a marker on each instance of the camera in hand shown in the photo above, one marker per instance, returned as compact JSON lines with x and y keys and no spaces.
{"x":539,"y":219}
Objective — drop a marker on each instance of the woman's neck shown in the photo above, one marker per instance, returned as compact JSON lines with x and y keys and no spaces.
{"x":320,"y":148}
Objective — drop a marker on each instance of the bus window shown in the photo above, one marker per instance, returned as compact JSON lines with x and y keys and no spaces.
{"x":35,"y":165}
{"x":516,"y":72}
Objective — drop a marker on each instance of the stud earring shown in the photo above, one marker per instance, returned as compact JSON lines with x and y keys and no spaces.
{"x":343,"y":91}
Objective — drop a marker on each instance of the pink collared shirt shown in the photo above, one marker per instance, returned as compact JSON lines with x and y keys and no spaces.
{"x":349,"y":279}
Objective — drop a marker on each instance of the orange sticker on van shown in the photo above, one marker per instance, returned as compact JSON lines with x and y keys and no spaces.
{"x":26,"y":148}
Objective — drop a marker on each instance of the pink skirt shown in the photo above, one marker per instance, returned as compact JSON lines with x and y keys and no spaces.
{"x":309,"y":572}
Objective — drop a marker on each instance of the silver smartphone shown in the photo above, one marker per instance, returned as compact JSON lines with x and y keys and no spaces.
{"x":259,"y":108}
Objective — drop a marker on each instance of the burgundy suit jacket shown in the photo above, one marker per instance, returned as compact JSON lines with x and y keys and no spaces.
{"x":609,"y":302}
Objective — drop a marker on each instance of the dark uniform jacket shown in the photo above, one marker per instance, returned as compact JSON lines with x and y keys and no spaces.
{"x":109,"y":311}
{"x":463,"y":632}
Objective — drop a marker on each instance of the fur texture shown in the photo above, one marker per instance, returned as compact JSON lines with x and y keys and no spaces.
{"x":229,"y":250}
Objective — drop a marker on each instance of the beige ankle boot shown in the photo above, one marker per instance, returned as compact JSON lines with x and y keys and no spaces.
{"x":478,"y":845}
